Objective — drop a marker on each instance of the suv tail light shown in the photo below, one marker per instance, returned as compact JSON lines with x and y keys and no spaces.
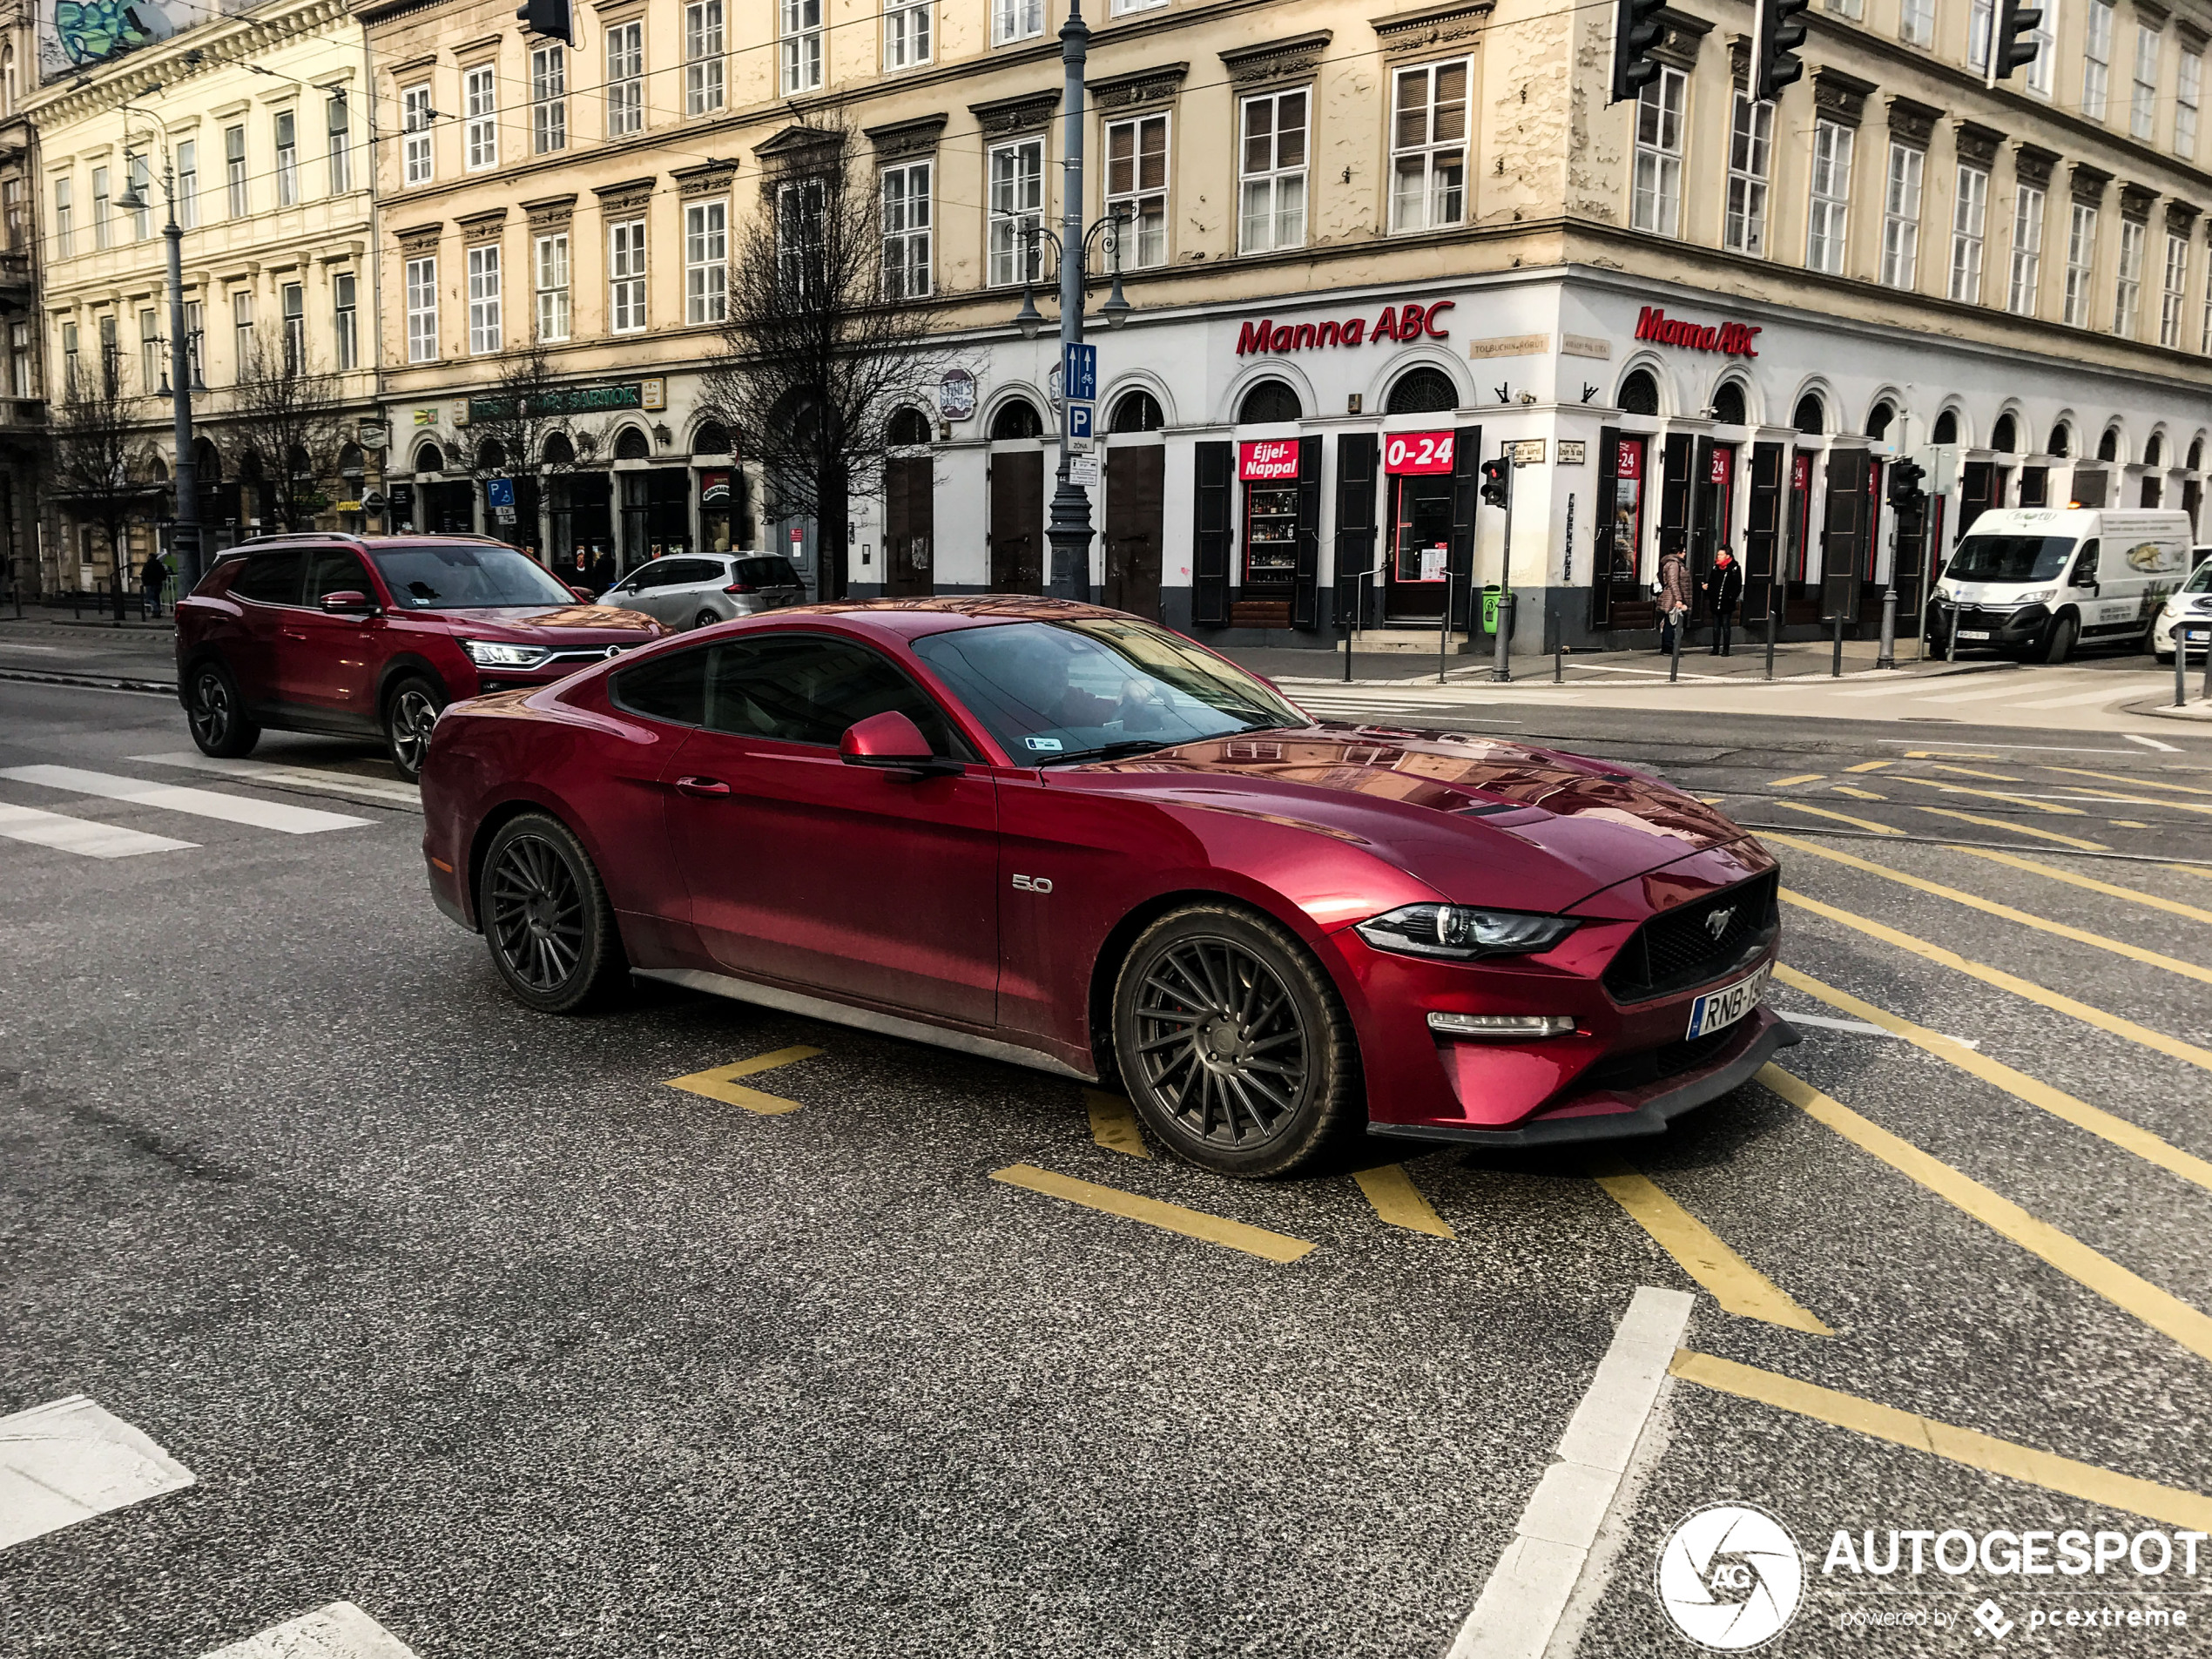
{"x":739,"y":586}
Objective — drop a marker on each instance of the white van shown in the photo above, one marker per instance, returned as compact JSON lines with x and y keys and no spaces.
{"x":2040,"y":580}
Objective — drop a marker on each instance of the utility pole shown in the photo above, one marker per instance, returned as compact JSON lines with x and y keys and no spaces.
{"x":185,"y":529}
{"x":1069,"y":530}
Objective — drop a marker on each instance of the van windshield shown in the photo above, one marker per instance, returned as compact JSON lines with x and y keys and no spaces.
{"x":2010,"y":558}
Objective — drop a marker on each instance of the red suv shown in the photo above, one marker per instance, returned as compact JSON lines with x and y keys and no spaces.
{"x":370,"y":636}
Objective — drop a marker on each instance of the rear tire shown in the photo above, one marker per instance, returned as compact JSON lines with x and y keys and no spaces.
{"x":2064,"y":632}
{"x":410,"y":711}
{"x":1232,"y":1043}
{"x":546,"y":916}
{"x":704,"y":619}
{"x":217,"y":715}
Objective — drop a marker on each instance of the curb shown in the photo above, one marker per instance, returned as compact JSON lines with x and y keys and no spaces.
{"x":92,"y":682}
{"x":1542,"y":677}
{"x":2199,"y":709}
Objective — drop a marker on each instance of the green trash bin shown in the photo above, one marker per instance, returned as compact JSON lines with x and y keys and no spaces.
{"x":1489,"y":607}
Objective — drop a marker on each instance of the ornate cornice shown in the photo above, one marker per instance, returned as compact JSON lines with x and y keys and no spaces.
{"x":482,"y":227}
{"x":2088,"y":183}
{"x":709,"y":178}
{"x":2032,"y":164}
{"x":220,"y":43}
{"x":1840,"y":97}
{"x":1276,"y":60}
{"x":623,"y":196}
{"x":1913,"y":123}
{"x":1154,"y":86}
{"x":1030,"y":113}
{"x":2178,"y":216}
{"x":1436,"y":25}
{"x":915,"y":138}
{"x":1977,"y":143}
{"x":2136,"y":201}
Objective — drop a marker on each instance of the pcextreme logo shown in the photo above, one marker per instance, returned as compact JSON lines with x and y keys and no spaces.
{"x":1730,"y":1577}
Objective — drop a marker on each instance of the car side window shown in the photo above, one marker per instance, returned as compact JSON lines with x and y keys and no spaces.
{"x":271,"y":578}
{"x":335,"y":570}
{"x":2085,"y":565}
{"x":671,"y":688}
{"x":808,"y":688}
{"x":685,"y":571}
{"x":646,"y":575}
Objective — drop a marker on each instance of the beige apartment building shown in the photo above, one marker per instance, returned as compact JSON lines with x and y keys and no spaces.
{"x":1368,"y":244}
{"x":258,"y":122}
{"x":23,"y":409}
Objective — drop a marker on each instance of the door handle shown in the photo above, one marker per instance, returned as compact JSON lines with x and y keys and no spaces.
{"x":293,"y":633}
{"x":701,"y":788}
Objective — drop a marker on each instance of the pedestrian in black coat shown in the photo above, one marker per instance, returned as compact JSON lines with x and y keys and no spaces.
{"x":1723,"y":592}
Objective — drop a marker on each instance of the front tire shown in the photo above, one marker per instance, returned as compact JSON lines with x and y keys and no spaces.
{"x":217,"y":715}
{"x":410,"y":711}
{"x":2064,"y":632}
{"x":704,"y":619}
{"x":547,"y":917}
{"x":1233,"y":1044}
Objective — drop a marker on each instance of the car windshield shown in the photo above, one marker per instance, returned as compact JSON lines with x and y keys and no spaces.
{"x":453,"y":576}
{"x":1054,"y":691}
{"x":2010,"y":558}
{"x":2200,"y":579}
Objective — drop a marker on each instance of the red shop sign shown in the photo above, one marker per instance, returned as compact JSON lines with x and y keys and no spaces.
{"x":1408,"y":322}
{"x":1629,"y":463}
{"x":1720,"y":458}
{"x":1416,"y":452}
{"x":1267,"y":461}
{"x":1732,"y":339}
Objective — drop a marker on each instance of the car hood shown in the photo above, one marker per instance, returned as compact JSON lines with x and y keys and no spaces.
{"x":556,"y":625}
{"x":1466,"y":815}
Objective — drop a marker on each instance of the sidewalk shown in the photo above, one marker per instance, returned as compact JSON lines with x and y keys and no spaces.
{"x":1801,"y":659}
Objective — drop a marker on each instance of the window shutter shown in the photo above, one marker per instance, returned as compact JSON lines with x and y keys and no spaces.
{"x":1357,"y":455}
{"x":1466,"y":476}
{"x":1210,"y":519}
{"x":1602,"y":550}
{"x":1303,"y":600}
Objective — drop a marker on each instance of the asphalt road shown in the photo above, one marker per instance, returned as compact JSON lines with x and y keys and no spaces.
{"x":468,"y":1317}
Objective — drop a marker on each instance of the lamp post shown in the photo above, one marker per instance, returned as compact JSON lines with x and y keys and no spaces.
{"x":184,"y":527}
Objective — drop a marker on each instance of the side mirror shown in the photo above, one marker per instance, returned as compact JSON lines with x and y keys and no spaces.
{"x":890,"y":742}
{"x":348,"y":602}
{"x":584,"y":594}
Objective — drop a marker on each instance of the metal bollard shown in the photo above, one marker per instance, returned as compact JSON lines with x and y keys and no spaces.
{"x":2181,"y":666}
{"x":2208,"y":662}
{"x":1674,"y":661}
{"x":1836,"y":667}
{"x":1888,"y":657}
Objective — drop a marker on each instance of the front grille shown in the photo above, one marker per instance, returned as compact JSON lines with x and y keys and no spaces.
{"x":580,"y":656}
{"x":1681,"y":949}
{"x":1656,"y":1065}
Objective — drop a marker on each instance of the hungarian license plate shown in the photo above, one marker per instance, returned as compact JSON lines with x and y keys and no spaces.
{"x":1973,"y":633}
{"x":1717,"y":1010}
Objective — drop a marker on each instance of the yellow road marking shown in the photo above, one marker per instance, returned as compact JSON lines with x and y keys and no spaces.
{"x":2158,"y":1309}
{"x":1857,"y":794}
{"x":1735,"y":1283}
{"x":718,"y":1083}
{"x":2056,"y":1000}
{"x":1946,"y":754}
{"x":2156,"y":902}
{"x":1841,"y":818}
{"x":2133,"y":783}
{"x":1113,"y":1124}
{"x":1168,"y":1218}
{"x":1996,"y":794}
{"x":2118,"y":946}
{"x":1870,"y":765}
{"x":1712,"y":800}
{"x":1399,"y":1201}
{"x":2104,"y":1487}
{"x":2127,"y":823}
{"x":2084,"y":792}
{"x":1802,"y":778}
{"x":2008,"y":825}
{"x":1969,"y":771}
{"x":2129,"y":1137}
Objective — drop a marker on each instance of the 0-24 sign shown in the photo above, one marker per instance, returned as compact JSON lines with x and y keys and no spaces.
{"x":1416,"y":452}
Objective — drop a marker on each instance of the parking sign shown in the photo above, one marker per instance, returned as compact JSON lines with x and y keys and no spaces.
{"x":1079,"y":417}
{"x":499,"y":492}
{"x":1079,"y":371}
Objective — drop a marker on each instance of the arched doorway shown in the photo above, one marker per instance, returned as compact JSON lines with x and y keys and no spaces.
{"x":1135,"y":479}
{"x":909,"y":507}
{"x":1017,"y":500}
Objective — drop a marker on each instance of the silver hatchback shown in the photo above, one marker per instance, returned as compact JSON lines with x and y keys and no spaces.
{"x":693,"y":590}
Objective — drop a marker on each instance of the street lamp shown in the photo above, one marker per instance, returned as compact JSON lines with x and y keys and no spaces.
{"x":185,"y":527}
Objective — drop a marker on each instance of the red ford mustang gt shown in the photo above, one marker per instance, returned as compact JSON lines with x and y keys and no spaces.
{"x":1058,"y":835}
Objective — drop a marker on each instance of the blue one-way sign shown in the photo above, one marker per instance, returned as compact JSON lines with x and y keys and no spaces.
{"x":1079,"y":371}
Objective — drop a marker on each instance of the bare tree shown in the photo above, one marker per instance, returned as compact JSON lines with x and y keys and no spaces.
{"x":819,"y":345}
{"x":95,"y":427}
{"x":525,"y":429}
{"x":284,"y":421}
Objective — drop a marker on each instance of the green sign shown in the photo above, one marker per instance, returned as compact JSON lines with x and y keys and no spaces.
{"x":566,"y":400}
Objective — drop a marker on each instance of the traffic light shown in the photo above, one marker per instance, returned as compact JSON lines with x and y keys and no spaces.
{"x":1637,"y":30}
{"x":1905,"y":484}
{"x":1497,"y":482}
{"x":2015,"y":46}
{"x":549,"y":17}
{"x":1780,"y":35}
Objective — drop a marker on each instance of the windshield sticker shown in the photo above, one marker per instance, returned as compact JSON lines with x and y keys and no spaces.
{"x":1043,"y":745}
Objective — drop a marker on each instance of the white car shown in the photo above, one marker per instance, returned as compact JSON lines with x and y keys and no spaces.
{"x":2192,"y":599}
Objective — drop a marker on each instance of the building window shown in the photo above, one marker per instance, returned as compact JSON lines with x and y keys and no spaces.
{"x":483,"y":301}
{"x":2096,"y":59}
{"x":626,"y":80}
{"x":68,"y":358}
{"x":64,"y":219}
{"x":1979,"y":24}
{"x":338,"y":125}
{"x":2142,"y":113}
{"x":1137,"y":187}
{"x":1428,"y":145}
{"x":1969,"y":213}
{"x":2046,"y":36}
{"x":288,"y":158}
{"x":11,"y":209}
{"x":799,"y":237}
{"x":2169,"y":305}
{"x":703,"y":57}
{"x":21,"y":381}
{"x":1828,"y":220}
{"x":1015,"y":20}
{"x":2027,"y":252}
{"x":1656,"y":202}
{"x":1016,"y":211}
{"x":344,"y":312}
{"x":100,"y":228}
{"x":706,"y":261}
{"x":195,"y":333}
{"x":906,"y":33}
{"x":2128,"y":290}
{"x":1123,"y":8}
{"x":626,"y":276}
{"x":422,"y":309}
{"x":2080,"y":254}
{"x":905,"y":230}
{"x":2189,"y":91}
{"x":415,"y":134}
{"x":1901,"y":219}
{"x":149,"y":352}
{"x":1272,"y":163}
{"x":242,"y":333}
{"x":548,"y":99}
{"x":110,"y":359}
{"x":480,"y":109}
{"x":1915,"y":22}
{"x":800,"y":45}
{"x":295,"y":327}
{"x":553,"y":286}
{"x":1750,"y":143}
{"x":234,"y":171}
{"x":188,"y":184}
{"x":142,"y":185}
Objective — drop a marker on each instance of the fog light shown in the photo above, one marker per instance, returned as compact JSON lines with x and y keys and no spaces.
{"x":1502,"y":1025}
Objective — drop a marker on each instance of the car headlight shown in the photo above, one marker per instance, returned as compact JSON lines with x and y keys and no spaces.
{"x":2041,"y":596}
{"x":492,"y":653}
{"x":1461,"y":933}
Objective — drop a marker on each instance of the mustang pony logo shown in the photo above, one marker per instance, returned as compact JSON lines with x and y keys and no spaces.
{"x":1717,"y":924}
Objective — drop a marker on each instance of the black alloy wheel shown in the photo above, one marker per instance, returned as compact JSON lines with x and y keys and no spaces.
{"x":704,"y":619}
{"x":1232,"y":1043}
{"x":216,"y":716}
{"x":410,"y":711}
{"x":2064,"y":632}
{"x":546,"y":916}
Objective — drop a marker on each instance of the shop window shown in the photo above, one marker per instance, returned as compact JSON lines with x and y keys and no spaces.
{"x":1947,"y":428}
{"x":1017,"y":419}
{"x":2005,"y":436}
{"x":1878,"y":421}
{"x":1811,"y":419}
{"x":1269,"y":403}
{"x":2061,"y":441}
{"x":429,"y":458}
{"x":2108,"y":445}
{"x":1728,"y":403}
{"x":1422,"y":391}
{"x":908,"y":428}
{"x":1640,"y":393}
{"x":1137,"y":412}
{"x":632,"y":445}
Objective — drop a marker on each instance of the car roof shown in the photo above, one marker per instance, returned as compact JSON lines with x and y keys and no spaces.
{"x":910,"y":617}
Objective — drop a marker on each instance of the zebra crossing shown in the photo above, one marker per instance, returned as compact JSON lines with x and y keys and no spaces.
{"x":47,"y":826}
